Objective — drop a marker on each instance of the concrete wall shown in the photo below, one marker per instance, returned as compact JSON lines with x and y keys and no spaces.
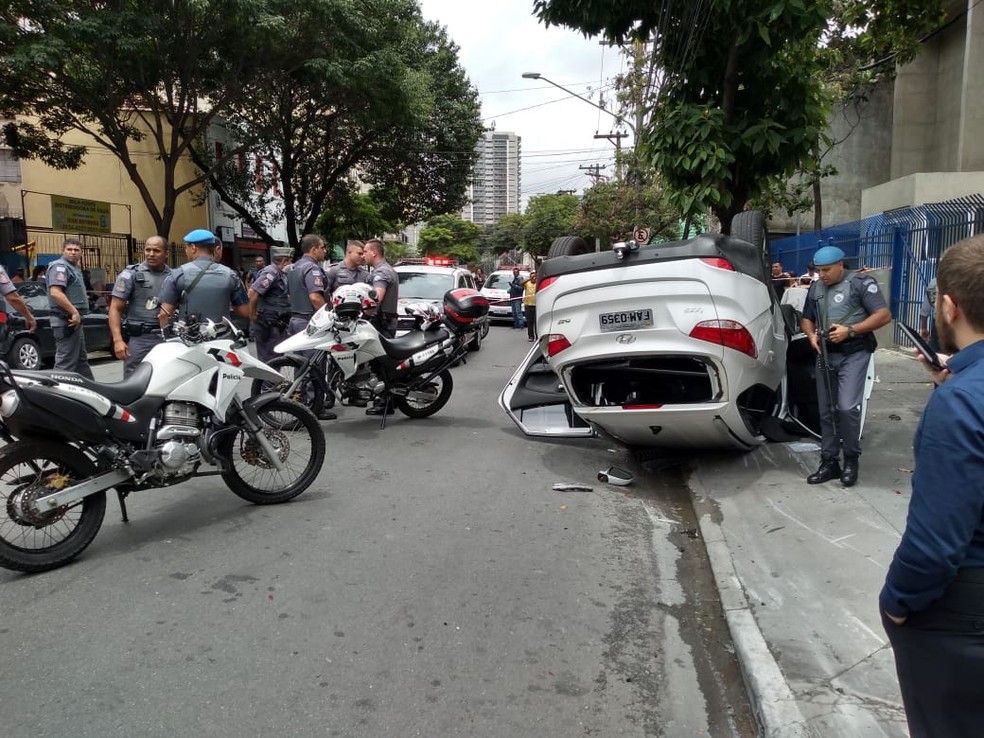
{"x":919,"y":189}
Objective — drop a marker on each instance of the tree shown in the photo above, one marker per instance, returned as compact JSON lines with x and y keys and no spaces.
{"x":506,"y":234}
{"x":611,"y":211}
{"x":739,"y":97}
{"x":450,"y":236}
{"x":548,"y":217}
{"x":352,"y":215}
{"x":373,"y":87}
{"x":157,"y":71}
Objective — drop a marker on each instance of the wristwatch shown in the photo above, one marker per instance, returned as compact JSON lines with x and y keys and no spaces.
{"x":851,"y":333}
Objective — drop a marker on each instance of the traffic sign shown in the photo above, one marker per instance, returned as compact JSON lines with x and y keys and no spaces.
{"x":642,"y":236}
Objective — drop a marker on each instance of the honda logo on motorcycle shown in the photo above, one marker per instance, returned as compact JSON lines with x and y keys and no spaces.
{"x":625,"y":338}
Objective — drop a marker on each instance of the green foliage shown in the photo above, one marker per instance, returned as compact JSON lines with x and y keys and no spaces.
{"x":449,"y":235}
{"x":465,"y":232}
{"x":548,"y":217}
{"x":352,"y":215}
{"x":740,"y":102}
{"x":611,"y":211}
{"x":506,"y":234}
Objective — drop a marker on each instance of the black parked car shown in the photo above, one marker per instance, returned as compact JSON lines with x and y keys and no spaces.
{"x":23,"y":349}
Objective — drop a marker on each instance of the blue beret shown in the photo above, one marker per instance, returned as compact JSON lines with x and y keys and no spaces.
{"x":828,"y":255}
{"x":200,"y":236}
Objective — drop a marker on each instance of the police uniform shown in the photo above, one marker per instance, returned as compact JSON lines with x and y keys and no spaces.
{"x":210,"y":296}
{"x":385,"y":276}
{"x":303,"y":278}
{"x":70,"y":351}
{"x":846,"y":303}
{"x":6,"y":287}
{"x":138,"y":286}
{"x":273,"y":312}
{"x":339,"y":275}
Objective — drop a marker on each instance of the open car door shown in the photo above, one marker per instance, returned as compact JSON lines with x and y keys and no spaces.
{"x":536,"y":401}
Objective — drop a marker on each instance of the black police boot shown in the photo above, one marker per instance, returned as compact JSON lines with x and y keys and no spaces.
{"x":829,"y":469}
{"x":850,"y":476}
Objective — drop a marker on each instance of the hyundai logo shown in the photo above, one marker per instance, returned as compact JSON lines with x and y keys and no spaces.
{"x":625,"y":338}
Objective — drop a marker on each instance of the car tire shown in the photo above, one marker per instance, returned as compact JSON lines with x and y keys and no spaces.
{"x":750,"y":226}
{"x":25,"y":353}
{"x":569,"y":246}
{"x":476,"y":343}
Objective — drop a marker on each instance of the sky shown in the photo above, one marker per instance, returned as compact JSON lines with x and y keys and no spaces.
{"x":498,"y":42}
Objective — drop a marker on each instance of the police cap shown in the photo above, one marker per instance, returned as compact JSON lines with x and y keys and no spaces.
{"x":281,"y":252}
{"x":200,"y":237}
{"x":828,"y":255}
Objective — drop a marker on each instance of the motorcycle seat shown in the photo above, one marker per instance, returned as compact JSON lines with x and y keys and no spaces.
{"x":125,"y":392}
{"x":407,"y":345}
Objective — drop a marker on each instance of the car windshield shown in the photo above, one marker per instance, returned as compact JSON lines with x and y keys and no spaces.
{"x":498,"y":282}
{"x":424,"y":285}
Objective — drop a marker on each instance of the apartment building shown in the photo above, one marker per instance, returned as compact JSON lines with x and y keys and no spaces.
{"x":495,"y":186}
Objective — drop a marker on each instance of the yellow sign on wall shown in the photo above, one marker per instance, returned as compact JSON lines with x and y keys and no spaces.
{"x":75,"y":215}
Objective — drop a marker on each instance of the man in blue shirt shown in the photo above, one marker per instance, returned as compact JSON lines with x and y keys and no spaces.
{"x":933,"y":600}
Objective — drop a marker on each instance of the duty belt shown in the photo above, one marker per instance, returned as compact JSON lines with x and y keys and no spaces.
{"x":140,"y":329}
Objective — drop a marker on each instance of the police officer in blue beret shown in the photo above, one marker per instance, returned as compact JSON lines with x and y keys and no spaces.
{"x":843,"y":308}
{"x":269,"y":303}
{"x":133,"y":306}
{"x":202,"y":287}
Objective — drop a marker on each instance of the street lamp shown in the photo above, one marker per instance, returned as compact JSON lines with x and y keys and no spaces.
{"x":616,"y":116}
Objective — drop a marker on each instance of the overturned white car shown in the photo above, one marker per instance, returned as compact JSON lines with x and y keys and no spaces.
{"x":677,"y":345}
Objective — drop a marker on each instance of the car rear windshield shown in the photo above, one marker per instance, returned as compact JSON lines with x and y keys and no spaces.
{"x":425,"y":286}
{"x":498,"y":282}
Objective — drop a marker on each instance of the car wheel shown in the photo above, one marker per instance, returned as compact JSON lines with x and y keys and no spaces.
{"x":750,"y":226}
{"x":25,"y":354}
{"x":569,"y":246}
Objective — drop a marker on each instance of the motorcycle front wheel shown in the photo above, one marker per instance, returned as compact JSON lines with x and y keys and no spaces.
{"x":31,"y":540}
{"x":427,"y":399}
{"x":297,"y":440}
{"x":310,"y":394}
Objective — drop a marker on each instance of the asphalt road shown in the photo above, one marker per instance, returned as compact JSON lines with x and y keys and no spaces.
{"x":429,"y":583}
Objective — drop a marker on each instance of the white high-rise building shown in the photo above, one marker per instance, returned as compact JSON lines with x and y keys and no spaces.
{"x":496,"y":180}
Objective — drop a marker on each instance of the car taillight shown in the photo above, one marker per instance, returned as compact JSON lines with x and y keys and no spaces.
{"x":556,"y":342}
{"x":3,"y":318}
{"x":728,"y":333}
{"x":718,"y":263}
{"x":545,"y":282}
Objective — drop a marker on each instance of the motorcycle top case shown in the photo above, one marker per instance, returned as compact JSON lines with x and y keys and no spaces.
{"x":463,"y":306}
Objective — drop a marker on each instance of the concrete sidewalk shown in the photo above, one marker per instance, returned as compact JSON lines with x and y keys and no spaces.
{"x":799,"y":567}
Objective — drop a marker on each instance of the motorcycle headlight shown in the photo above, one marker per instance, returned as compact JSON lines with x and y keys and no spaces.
{"x":9,"y":402}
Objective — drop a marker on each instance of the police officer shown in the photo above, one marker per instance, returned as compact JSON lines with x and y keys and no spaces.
{"x":386,"y":282}
{"x":306,"y":284}
{"x":843,"y":308}
{"x":68,"y":302}
{"x":133,"y":306}
{"x":9,"y":291}
{"x":202,"y":287}
{"x":269,"y":304}
{"x":351,"y":270}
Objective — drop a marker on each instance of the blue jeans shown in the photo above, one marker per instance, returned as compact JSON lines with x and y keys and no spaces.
{"x":517,"y":310}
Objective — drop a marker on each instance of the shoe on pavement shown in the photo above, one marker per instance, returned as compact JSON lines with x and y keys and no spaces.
{"x":326,"y":415}
{"x":380,"y":409}
{"x":850,"y":475}
{"x":829,"y":469}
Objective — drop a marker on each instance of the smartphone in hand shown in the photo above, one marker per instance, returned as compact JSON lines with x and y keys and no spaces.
{"x":922,"y":346}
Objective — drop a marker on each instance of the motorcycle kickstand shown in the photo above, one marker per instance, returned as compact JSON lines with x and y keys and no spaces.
{"x":121,"y":496}
{"x":386,"y":407}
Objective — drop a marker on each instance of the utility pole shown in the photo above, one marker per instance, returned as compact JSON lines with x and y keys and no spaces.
{"x":594,"y":171}
{"x":615,"y":138}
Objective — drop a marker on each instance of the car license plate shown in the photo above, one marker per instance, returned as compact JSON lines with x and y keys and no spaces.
{"x":626,"y":320}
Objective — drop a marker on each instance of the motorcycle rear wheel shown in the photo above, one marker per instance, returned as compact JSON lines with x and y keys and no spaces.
{"x":310,"y":394}
{"x":428,"y":399}
{"x":296,"y":436}
{"x":33,"y":541}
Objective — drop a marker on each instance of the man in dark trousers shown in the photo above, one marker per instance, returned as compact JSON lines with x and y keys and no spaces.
{"x":932,"y":603}
{"x":843,"y":309}
{"x":386,"y":282}
{"x":68,"y":301}
{"x":202,"y":287}
{"x":133,"y":306}
{"x":269,"y":303}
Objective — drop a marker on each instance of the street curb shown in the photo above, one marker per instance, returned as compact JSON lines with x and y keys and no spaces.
{"x":776,"y":710}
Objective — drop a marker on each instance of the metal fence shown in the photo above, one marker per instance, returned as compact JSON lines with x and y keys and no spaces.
{"x":907,"y":241}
